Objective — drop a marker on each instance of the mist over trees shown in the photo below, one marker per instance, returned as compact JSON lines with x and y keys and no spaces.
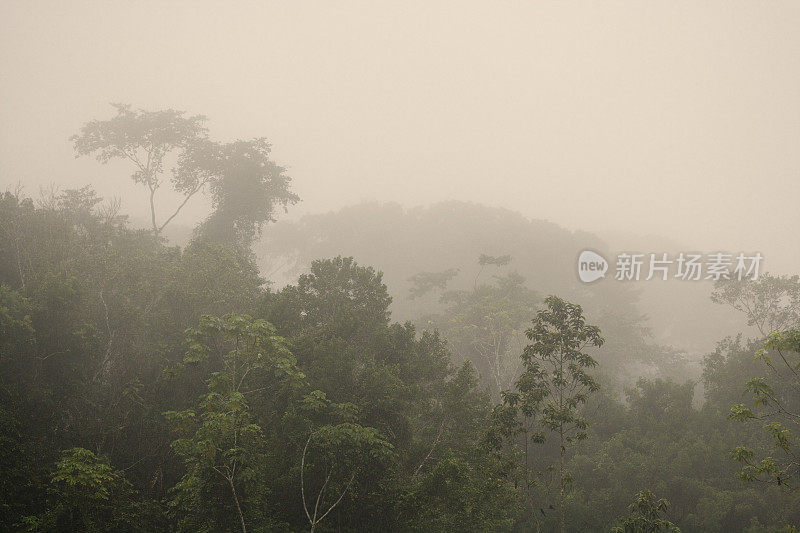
{"x":147,"y":386}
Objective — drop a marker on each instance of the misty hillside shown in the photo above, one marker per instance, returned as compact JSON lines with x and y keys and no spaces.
{"x":402,"y":242}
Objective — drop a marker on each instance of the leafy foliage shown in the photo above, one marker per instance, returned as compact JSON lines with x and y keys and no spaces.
{"x":145,"y":387}
{"x":223,"y":444}
{"x":647,"y":516}
{"x":244,"y":183}
{"x":555,"y":382}
{"x":772,"y":304}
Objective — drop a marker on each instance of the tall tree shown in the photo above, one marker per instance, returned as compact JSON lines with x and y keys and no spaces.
{"x":245,"y":185}
{"x":339,"y":453}
{"x":145,"y":138}
{"x":222,"y":442}
{"x":483,"y":324}
{"x":555,"y":382}
{"x":772,"y":305}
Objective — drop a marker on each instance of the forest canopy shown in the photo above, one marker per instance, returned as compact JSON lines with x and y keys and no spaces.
{"x":148,"y":386}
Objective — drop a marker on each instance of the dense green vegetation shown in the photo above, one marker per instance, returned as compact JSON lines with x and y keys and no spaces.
{"x":151,"y":387}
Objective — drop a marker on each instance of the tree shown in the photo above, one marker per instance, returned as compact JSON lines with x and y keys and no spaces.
{"x":87,"y":495}
{"x":223,"y":442}
{"x":779,"y":410}
{"x":244,"y":183}
{"x":337,"y":454}
{"x":245,"y":186}
{"x":484,"y":260}
{"x":145,"y":138}
{"x":424,"y":282}
{"x":555,"y":382}
{"x":484,"y":324}
{"x":461,"y":481}
{"x":399,"y":384}
{"x":772,"y":305}
{"x":338,"y":297}
{"x":647,"y":515}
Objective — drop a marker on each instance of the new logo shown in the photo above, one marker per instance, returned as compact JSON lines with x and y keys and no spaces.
{"x":591,"y":266}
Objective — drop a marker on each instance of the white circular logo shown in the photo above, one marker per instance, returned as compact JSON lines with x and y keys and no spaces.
{"x":591,"y":266}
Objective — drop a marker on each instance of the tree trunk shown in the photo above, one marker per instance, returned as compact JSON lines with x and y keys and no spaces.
{"x":156,"y":231}
{"x":238,"y":507}
{"x":561,"y":469}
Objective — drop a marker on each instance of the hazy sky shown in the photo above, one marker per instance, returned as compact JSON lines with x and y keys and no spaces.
{"x":675,"y":118}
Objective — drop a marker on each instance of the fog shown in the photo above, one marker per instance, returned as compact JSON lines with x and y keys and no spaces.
{"x":676,"y":119}
{"x":393,"y":317}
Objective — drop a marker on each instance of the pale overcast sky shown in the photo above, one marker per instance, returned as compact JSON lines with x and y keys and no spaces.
{"x":680,"y":119}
